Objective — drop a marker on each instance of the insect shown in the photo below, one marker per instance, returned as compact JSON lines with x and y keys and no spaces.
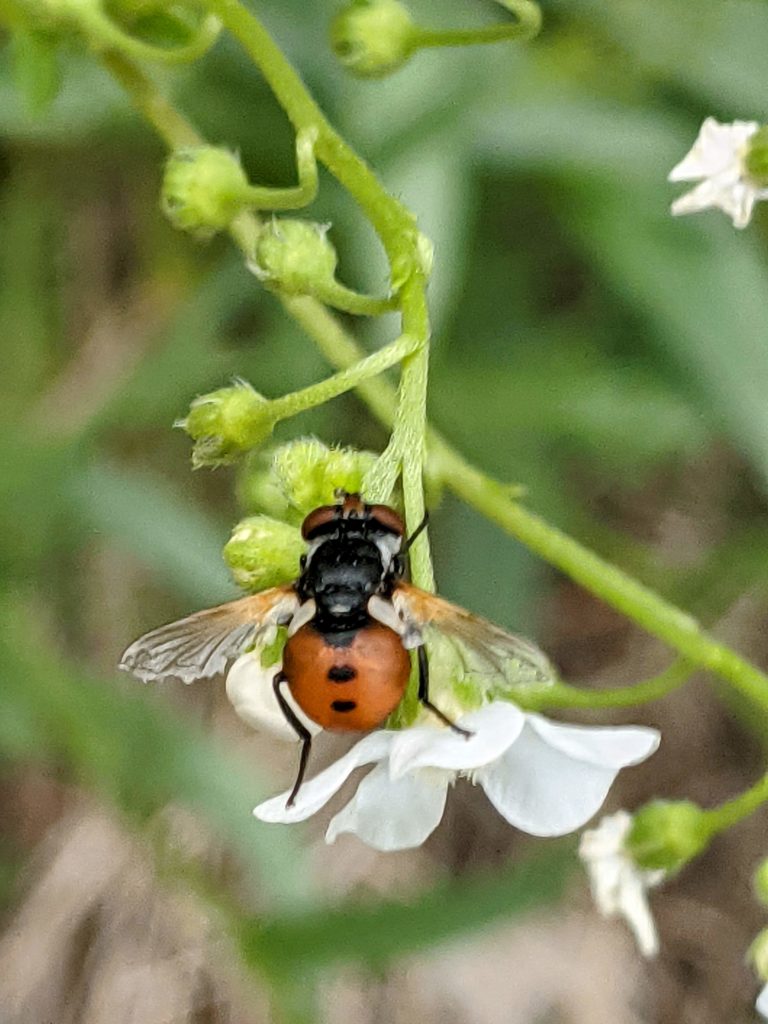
{"x":351,"y":619}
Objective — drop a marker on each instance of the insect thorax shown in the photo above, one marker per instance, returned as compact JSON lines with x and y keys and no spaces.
{"x":343,"y":570}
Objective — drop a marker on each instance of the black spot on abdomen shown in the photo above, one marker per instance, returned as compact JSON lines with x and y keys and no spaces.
{"x":341,"y":673}
{"x":344,"y":705}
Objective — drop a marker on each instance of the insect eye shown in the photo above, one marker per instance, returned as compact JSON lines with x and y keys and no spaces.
{"x":318,"y":518}
{"x":387,"y":518}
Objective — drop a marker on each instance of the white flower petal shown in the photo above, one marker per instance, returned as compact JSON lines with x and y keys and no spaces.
{"x":618,"y":886}
{"x":393,"y":814}
{"x":715,"y":149}
{"x":703,"y":197}
{"x":494,"y":728}
{"x":250,"y":692}
{"x":549,"y":790}
{"x":738,"y":202}
{"x":315,"y":793}
{"x":608,"y":746}
{"x":762,"y":1002}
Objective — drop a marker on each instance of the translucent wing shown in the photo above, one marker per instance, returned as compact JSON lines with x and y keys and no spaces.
{"x":201,"y":645}
{"x":483,"y":646}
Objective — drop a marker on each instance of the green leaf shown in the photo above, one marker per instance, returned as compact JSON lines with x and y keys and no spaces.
{"x":36,"y":65}
{"x":142,"y":514}
{"x":375,"y":935}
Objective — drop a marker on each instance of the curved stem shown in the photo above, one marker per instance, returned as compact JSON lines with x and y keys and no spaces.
{"x":526,"y":26}
{"x":348,"y":301}
{"x":346,"y":380}
{"x":746,"y":803}
{"x":262,"y":198}
{"x":105,"y":33}
{"x":561,"y":695}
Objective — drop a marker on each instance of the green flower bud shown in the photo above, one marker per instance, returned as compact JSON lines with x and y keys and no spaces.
{"x":371,"y":38}
{"x":263,"y":552}
{"x":294,"y":256}
{"x":756,"y":157}
{"x":758,"y":954}
{"x":760,"y":883}
{"x":204,"y":188}
{"x":226,"y":423}
{"x":309,"y":473}
{"x":667,"y":834}
{"x":259,"y":491}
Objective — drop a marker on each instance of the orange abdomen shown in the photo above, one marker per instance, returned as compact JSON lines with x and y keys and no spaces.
{"x":348,"y":688}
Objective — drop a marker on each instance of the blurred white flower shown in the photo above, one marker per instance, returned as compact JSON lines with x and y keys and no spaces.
{"x":251,"y":694}
{"x":618,"y":885}
{"x":717,"y":162}
{"x":762,"y":1002}
{"x":543,"y":777}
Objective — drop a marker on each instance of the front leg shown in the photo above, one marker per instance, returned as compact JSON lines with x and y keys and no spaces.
{"x":421,"y":653}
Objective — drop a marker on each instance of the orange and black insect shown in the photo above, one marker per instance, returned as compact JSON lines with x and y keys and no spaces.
{"x":352,"y":621}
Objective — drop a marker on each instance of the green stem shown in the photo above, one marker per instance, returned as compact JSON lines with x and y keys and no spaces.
{"x":746,"y":803}
{"x":169,"y":124}
{"x":348,"y":301}
{"x":393,"y":223}
{"x":105,"y":34}
{"x":561,"y":695}
{"x":301,"y":195}
{"x":346,"y":380}
{"x":528,"y":24}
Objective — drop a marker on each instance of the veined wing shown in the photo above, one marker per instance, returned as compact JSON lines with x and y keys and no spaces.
{"x":514,"y":658}
{"x":201,"y":645}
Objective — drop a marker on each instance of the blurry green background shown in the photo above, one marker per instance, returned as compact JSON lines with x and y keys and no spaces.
{"x":611,"y":359}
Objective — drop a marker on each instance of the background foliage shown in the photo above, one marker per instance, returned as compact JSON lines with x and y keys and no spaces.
{"x":612,"y":360}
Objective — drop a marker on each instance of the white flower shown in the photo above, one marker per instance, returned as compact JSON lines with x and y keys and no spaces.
{"x":618,"y":885}
{"x":762,"y":1002}
{"x":251,"y":694}
{"x":543,"y":777}
{"x":717,"y":161}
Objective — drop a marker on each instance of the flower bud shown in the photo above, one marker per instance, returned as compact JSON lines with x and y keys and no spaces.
{"x":309,"y":473}
{"x":294,"y":256}
{"x":667,"y":834}
{"x":204,"y":188}
{"x":263,"y":552}
{"x":756,"y":157}
{"x":226,"y":423}
{"x":259,"y":491}
{"x":760,"y":883}
{"x":373,"y":37}
{"x":758,"y":954}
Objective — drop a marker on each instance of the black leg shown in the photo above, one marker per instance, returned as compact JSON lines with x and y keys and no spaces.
{"x":419,"y":529}
{"x":421,"y":653}
{"x":304,"y":735}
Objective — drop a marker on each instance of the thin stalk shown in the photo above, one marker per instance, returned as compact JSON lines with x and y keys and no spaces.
{"x":561,"y":695}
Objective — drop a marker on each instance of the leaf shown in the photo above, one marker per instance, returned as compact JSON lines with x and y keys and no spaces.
{"x":37,"y":71}
{"x":375,"y":935}
{"x":146,"y":516}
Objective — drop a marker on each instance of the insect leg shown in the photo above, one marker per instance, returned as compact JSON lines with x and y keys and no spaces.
{"x":419,"y":529}
{"x":421,"y":653}
{"x":303,"y":733}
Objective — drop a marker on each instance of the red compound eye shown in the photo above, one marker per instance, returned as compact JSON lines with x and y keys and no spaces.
{"x":317,"y":518}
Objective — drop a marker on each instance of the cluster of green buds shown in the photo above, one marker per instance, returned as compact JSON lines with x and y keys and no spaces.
{"x":264,"y":549}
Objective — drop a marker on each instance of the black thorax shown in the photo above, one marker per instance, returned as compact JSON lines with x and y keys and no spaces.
{"x":343,"y":572}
